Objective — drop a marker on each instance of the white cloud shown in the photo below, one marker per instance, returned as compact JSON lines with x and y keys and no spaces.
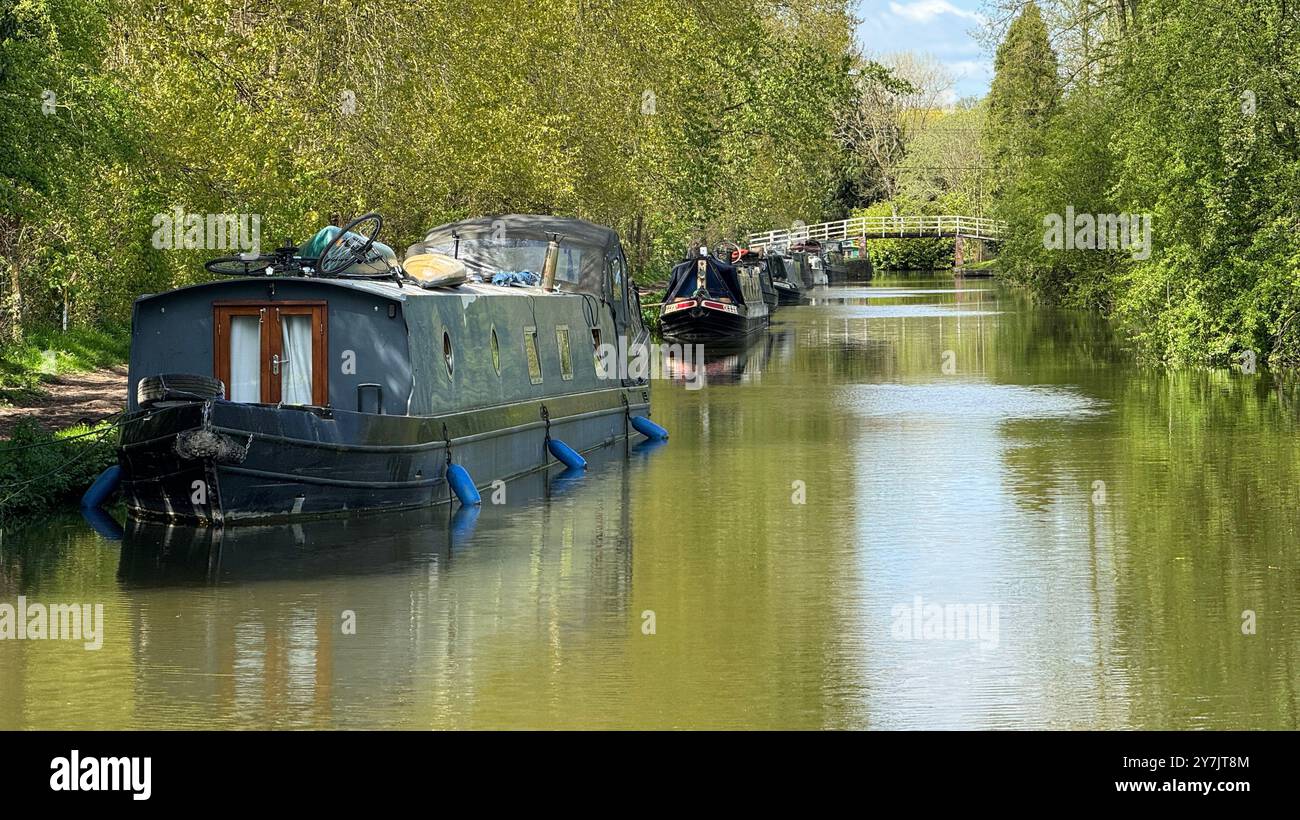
{"x":924,"y":11}
{"x":962,"y":69}
{"x":944,"y":29}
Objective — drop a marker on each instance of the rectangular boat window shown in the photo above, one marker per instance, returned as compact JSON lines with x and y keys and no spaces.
{"x":616,"y":268}
{"x":488,"y":255}
{"x":569,"y":268}
{"x":245,"y":359}
{"x":566,"y":359}
{"x":534,"y":358}
{"x":272,"y":352}
{"x":295,"y":359}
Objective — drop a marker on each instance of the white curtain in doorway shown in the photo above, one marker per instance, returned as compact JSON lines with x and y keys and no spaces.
{"x":245,"y":359}
{"x":295,"y":364}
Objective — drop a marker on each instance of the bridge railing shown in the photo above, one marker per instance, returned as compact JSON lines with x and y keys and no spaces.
{"x":883,"y":227}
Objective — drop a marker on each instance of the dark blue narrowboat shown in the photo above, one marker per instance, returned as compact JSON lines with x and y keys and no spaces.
{"x":332,"y":379}
{"x":709,"y":300}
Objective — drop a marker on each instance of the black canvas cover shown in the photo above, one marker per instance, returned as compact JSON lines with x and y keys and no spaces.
{"x":720,"y":280}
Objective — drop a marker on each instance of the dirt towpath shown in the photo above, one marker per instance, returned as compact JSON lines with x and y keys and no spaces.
{"x":69,"y":399}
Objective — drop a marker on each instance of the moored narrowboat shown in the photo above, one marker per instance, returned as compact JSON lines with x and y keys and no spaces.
{"x":709,"y":300}
{"x":786,"y":278}
{"x":742,"y":257}
{"x":342,"y":381}
{"x":807,"y":257}
{"x":834,"y":254}
{"x":845,"y":261}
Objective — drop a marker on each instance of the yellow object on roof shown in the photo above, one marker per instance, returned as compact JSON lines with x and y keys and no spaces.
{"x":435,"y":270}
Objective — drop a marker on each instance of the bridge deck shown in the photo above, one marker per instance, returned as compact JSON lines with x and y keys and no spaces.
{"x":885,"y":227}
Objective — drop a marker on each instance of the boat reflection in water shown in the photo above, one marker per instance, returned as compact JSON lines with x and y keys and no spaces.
{"x":731,"y":364}
{"x":387,"y":619}
{"x":155,"y":553}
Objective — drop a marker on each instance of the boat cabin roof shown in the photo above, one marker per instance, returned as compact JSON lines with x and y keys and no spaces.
{"x":384,"y":289}
{"x":517,"y":242}
{"x":521,"y":227}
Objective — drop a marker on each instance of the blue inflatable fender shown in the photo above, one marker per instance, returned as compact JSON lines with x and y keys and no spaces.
{"x":565,"y":454}
{"x":649,"y":429}
{"x":462,"y":485}
{"x":102,"y":488}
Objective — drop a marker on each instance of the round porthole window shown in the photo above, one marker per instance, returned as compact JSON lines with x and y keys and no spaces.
{"x":496,"y":352}
{"x":447,"y":354}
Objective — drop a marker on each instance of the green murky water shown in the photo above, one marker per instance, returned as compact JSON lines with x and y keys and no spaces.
{"x":1104,"y":528}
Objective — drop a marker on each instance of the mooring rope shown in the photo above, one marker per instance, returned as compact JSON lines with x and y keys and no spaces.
{"x":5,"y":450}
{"x":78,"y":457}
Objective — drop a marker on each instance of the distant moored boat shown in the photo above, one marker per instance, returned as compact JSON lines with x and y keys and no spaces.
{"x":709,"y":300}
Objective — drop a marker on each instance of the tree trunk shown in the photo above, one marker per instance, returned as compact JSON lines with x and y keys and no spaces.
{"x":638,"y":242}
{"x":11,"y":309}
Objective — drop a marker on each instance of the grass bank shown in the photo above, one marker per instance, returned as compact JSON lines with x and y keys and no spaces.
{"x":46,"y":352}
{"x":40,"y":471}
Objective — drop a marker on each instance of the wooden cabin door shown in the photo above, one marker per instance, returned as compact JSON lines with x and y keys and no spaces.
{"x":272,"y":353}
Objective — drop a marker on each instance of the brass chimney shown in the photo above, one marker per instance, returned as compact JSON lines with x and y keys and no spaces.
{"x":552,"y":261}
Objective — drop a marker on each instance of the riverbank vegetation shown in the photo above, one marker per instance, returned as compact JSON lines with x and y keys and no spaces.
{"x":40,"y":470}
{"x":665,"y":121}
{"x":1186,"y":112}
{"x":47,"y":351}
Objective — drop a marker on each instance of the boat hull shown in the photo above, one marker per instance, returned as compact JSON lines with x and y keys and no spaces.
{"x":702,"y":325}
{"x":220,"y":462}
{"x":788,"y":295}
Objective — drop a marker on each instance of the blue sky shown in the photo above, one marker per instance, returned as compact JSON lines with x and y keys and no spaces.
{"x":942,"y":28}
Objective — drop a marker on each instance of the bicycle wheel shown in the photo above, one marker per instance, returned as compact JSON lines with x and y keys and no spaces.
{"x":238,"y":266}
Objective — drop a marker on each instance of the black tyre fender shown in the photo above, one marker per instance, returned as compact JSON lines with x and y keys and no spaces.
{"x":178,"y":387}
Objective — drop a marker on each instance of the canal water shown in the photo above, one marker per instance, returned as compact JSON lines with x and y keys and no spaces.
{"x":914,"y":504}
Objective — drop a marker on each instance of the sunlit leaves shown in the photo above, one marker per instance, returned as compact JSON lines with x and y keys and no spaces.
{"x":426,"y":110}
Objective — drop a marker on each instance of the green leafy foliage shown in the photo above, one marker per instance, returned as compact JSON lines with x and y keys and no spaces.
{"x":667,"y":122}
{"x":1024,"y":92}
{"x":1185,"y":110}
{"x":907,"y":254}
{"x":40,"y":470}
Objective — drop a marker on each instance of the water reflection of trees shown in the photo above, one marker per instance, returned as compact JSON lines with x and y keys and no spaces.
{"x":755,"y":594}
{"x":1135,"y":604}
{"x":1199,"y":521}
